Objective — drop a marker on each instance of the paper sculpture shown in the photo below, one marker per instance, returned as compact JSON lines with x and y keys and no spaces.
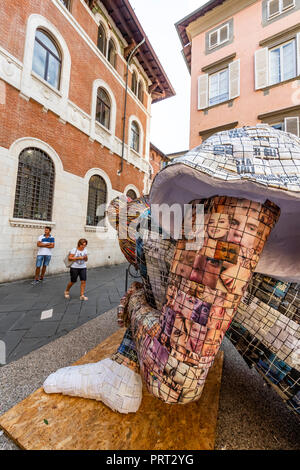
{"x":246,"y":183}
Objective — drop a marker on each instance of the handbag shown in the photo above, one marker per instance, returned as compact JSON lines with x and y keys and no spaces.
{"x":68,"y":263}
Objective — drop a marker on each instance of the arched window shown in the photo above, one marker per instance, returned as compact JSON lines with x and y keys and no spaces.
{"x":134,"y":82}
{"x":141,"y":91}
{"x":101,"y":39}
{"x":35,"y":185}
{"x":111,"y":54}
{"x":96,"y":201}
{"x":66,"y":3}
{"x":130,"y":193}
{"x":135,"y":136}
{"x":46,"y":58}
{"x":103,"y":108}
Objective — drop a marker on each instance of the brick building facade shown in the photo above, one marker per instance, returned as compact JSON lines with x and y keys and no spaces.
{"x":158,"y":160}
{"x":62,"y":93}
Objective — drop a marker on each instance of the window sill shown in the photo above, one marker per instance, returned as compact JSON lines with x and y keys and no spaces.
{"x":40,"y":79}
{"x":211,"y":48}
{"x":28,"y":223}
{"x":105,"y":129}
{"x":137,"y":154}
{"x":228,"y":102}
{"x":280,"y":13}
{"x":268,"y":87}
{"x":93,"y":228}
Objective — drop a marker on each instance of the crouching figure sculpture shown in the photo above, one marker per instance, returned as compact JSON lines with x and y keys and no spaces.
{"x":192,"y":283}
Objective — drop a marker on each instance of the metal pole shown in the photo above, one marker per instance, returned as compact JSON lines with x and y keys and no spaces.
{"x":125,"y":104}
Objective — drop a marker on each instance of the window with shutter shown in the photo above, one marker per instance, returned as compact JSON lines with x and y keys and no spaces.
{"x":224,"y":34}
{"x":218,"y":87}
{"x":203,"y":91}
{"x":234,"y":79}
{"x":261,"y":68}
{"x":291,"y":124}
{"x":282,"y":62}
{"x":219,"y":36}
{"x":287,"y":4}
{"x":273,"y":8}
{"x":276,"y":7}
{"x":213,"y":39}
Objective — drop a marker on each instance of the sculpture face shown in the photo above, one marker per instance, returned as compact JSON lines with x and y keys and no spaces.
{"x":202,"y":292}
{"x":188,"y":298}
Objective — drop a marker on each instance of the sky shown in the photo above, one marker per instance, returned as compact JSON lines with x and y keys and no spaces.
{"x":170,"y":117}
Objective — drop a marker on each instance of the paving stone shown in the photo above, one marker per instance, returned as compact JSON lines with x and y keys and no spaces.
{"x":26,"y":320}
{"x":8,"y":321}
{"x":25,"y":347}
{"x":21,"y":305}
{"x":42,"y":329}
{"x":11,"y":340}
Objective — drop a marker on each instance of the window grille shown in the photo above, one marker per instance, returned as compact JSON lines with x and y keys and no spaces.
{"x":96,"y":201}
{"x":35,"y":185}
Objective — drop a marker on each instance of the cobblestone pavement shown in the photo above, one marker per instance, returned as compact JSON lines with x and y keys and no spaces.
{"x":32,"y":316}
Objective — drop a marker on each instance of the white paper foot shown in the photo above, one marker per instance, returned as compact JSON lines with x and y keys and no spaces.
{"x":114,"y":384}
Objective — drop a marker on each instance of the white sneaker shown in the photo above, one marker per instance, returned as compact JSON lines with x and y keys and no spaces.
{"x":114,"y":384}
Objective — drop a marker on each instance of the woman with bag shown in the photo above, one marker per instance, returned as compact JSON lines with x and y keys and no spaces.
{"x":78,"y":257}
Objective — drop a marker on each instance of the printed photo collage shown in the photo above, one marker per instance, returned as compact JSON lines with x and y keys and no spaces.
{"x":204,"y":289}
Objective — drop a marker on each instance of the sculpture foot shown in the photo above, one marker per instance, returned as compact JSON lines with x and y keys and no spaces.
{"x":114,"y":384}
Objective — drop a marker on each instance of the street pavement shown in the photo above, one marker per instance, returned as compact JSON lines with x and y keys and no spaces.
{"x":34,"y":315}
{"x":43,"y":332}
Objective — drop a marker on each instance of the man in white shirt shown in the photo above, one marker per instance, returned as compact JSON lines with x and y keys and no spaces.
{"x":45,"y":244}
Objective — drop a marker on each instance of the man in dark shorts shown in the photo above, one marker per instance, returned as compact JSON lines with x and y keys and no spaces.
{"x":78,"y":268}
{"x":45,"y":244}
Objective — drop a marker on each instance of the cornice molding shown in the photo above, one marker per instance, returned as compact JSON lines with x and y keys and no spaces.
{"x":215,"y":66}
{"x":28,"y":223}
{"x":278,"y":112}
{"x":225,"y":127}
{"x":277,"y":38}
{"x":216,"y":16}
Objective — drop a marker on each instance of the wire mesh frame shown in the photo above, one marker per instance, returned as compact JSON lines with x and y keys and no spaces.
{"x":35,"y":185}
{"x":97,"y":197}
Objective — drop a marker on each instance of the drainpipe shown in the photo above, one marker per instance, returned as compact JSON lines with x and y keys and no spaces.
{"x":125,"y":104}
